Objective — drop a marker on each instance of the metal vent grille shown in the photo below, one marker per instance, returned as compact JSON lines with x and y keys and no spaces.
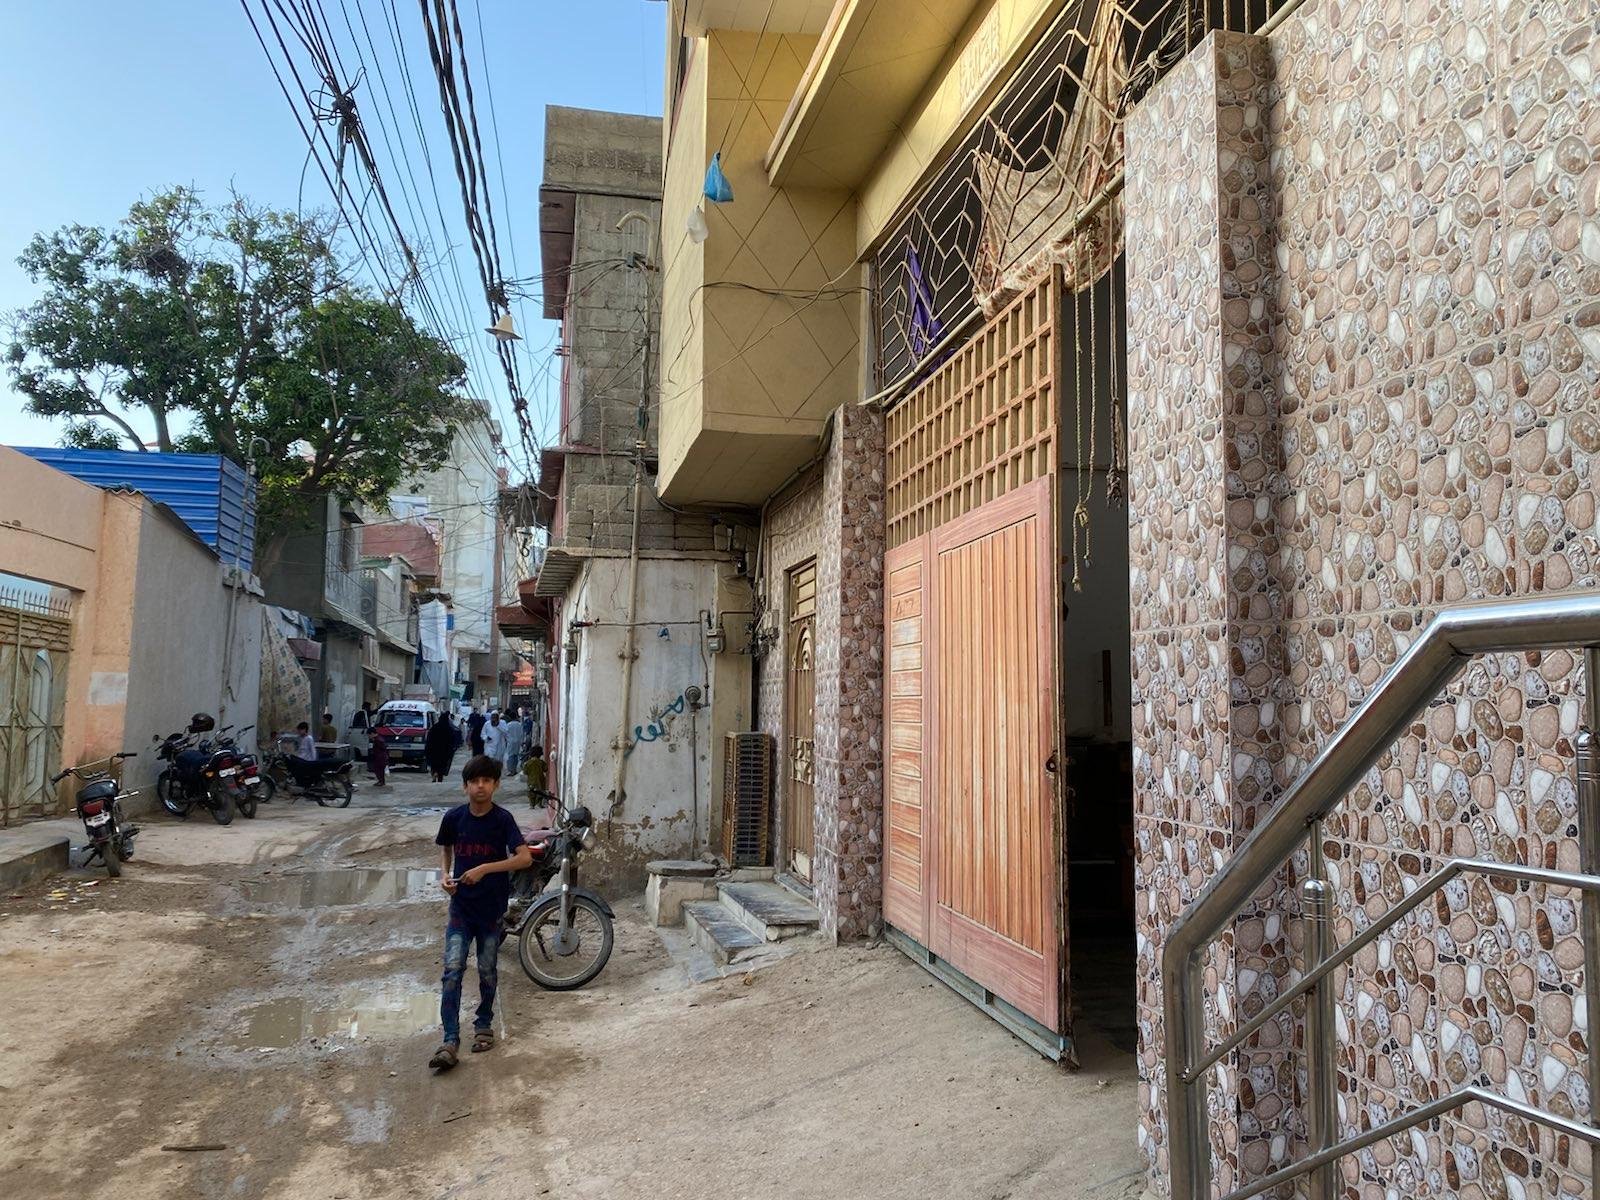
{"x":747,"y":799}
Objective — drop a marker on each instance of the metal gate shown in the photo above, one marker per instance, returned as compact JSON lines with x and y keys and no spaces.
{"x":800,"y":702}
{"x":35,"y":637}
{"x":972,"y":828}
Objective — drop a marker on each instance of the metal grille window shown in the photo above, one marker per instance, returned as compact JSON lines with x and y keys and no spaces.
{"x":1034,"y":184}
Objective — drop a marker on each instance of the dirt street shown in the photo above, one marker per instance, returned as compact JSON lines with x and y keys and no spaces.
{"x":270,"y":989}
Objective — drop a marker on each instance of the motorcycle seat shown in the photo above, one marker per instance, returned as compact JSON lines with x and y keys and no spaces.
{"x":309,"y":770}
{"x":538,"y":840}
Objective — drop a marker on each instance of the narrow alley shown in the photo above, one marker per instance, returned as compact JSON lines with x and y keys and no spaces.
{"x":270,"y":989}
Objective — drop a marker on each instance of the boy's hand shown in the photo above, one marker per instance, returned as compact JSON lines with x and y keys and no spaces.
{"x":473,"y":875}
{"x":449,"y":886}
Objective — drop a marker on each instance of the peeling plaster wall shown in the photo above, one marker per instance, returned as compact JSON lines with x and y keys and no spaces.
{"x":666,"y":808}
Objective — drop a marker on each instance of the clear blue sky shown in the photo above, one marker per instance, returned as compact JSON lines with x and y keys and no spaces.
{"x":102,"y":101}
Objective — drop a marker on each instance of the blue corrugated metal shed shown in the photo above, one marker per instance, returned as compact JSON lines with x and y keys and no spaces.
{"x":211,"y":493}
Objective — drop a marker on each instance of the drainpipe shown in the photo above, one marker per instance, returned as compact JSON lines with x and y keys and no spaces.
{"x":628,"y":653}
{"x":628,"y":635}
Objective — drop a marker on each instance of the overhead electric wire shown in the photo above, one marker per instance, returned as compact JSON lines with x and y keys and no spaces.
{"x":456,"y":298}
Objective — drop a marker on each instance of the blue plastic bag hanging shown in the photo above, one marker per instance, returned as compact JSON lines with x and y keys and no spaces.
{"x":717,"y":190}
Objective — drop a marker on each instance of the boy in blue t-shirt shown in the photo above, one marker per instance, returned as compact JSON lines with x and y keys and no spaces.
{"x":482,"y":845}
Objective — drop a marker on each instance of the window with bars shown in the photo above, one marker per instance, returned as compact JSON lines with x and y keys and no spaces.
{"x":1034,"y":184}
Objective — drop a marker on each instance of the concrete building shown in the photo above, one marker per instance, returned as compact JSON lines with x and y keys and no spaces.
{"x":460,"y":501}
{"x":640,"y":591}
{"x":388,"y":598}
{"x":148,"y":626}
{"x":316,"y":570}
{"x":1121,"y":396}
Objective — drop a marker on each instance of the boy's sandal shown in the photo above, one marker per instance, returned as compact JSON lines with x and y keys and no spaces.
{"x":444,"y":1057}
{"x":482,"y":1039}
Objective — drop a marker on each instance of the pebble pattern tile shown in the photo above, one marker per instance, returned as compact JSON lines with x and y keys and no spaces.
{"x":838,"y":519}
{"x":1364,"y":383}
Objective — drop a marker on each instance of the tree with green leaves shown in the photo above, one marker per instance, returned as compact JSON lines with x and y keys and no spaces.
{"x":224,"y":327}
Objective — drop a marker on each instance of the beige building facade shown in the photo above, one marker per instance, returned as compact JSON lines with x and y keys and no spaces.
{"x":157,"y":626}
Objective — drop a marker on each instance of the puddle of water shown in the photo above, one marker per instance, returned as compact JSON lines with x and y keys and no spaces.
{"x":279,"y":1024}
{"x":324,"y":889}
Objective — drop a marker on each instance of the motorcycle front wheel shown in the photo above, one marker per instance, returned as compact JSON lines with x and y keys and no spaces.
{"x":170,"y":792}
{"x":221,"y":806}
{"x":538,"y":952}
{"x":344,"y":791}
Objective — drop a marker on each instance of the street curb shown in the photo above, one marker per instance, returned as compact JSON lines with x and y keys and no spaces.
{"x":24,"y":864}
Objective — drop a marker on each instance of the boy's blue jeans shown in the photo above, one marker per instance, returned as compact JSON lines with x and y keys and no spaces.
{"x":486,"y":945}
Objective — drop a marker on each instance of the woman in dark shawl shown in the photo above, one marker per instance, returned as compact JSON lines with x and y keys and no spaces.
{"x":440,"y":747}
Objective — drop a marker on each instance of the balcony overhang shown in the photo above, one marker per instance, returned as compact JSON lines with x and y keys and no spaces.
{"x":552,"y":465}
{"x":523,"y":621}
{"x":557,"y":572}
{"x":875,"y":58}
{"x":699,"y":17}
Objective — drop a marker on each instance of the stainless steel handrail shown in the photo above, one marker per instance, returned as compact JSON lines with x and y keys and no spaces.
{"x":1450,"y":640}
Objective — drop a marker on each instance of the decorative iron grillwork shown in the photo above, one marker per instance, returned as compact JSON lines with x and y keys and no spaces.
{"x":1035,"y":183}
{"x":747,"y":799}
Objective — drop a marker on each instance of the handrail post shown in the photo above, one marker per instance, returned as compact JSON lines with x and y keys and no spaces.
{"x":1188,"y":1143}
{"x":1321,"y":1078}
{"x":1588,"y":770}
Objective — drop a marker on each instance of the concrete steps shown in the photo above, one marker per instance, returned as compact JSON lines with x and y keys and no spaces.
{"x":768,"y":910}
{"x":719,"y":933}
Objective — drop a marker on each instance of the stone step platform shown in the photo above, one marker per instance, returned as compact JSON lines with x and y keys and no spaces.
{"x":719,"y":933}
{"x":770,"y":911}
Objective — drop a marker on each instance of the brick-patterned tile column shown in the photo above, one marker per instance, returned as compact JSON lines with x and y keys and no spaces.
{"x":1208,"y":660}
{"x":847,"y":867}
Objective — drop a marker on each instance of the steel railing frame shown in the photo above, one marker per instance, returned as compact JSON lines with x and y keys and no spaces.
{"x":1454,"y":637}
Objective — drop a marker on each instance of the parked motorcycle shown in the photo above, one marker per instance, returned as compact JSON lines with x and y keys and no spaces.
{"x":248,"y":776}
{"x":564,"y":937}
{"x":325,"y":780}
{"x":200,"y":775}
{"x":99,"y":807}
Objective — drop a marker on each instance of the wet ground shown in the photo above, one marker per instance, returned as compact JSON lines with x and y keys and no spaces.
{"x":249,"y":1010}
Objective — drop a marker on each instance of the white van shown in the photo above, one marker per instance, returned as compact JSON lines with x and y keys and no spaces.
{"x":404,"y":725}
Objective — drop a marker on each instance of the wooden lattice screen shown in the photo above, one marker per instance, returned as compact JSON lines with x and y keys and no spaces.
{"x":982,"y":424}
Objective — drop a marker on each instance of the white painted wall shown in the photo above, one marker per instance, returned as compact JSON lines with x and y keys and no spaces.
{"x":667,"y":788}
{"x":462,"y":495}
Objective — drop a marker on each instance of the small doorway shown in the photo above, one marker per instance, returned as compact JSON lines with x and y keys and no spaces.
{"x":800,"y":719}
{"x":1096,"y":695}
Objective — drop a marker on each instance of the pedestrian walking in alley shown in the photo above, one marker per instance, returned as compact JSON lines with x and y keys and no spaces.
{"x":329,"y":732}
{"x":513,"y":743}
{"x":537,"y":772}
{"x":475,"y":723}
{"x":480,"y":844}
{"x":494,"y":739}
{"x":440,"y":747}
{"x":378,"y":758}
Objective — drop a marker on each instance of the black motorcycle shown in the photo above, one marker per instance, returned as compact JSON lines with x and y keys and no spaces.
{"x":252,"y":786}
{"x":325,"y":780}
{"x":200,"y":774}
{"x":564,"y":937}
{"x":99,"y":807}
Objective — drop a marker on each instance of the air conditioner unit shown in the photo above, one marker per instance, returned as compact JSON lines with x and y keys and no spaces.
{"x":747,"y":799}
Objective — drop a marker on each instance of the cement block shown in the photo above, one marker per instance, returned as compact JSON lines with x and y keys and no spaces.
{"x":665,"y":895}
{"x":27,"y":859}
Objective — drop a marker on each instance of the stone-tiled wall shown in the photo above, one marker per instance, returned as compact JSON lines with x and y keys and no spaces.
{"x":849,"y":753}
{"x":838,"y":519}
{"x":1364,"y":383}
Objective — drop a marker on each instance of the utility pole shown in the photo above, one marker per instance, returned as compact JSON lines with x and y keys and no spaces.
{"x":640,"y":446}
